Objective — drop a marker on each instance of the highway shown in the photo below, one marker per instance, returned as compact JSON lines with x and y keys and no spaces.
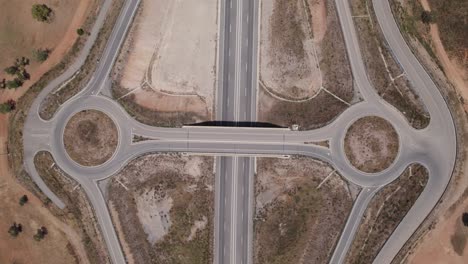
{"x":236,"y":100}
{"x":236,"y":103}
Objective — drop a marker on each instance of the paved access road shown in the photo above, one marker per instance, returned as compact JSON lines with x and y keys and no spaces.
{"x":425,"y":146}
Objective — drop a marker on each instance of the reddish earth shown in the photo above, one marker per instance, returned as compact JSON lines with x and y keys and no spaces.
{"x":62,"y":244}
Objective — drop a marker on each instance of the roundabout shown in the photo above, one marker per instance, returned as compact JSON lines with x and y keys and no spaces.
{"x":90,"y":138}
{"x":371,"y":144}
{"x":411,"y":146}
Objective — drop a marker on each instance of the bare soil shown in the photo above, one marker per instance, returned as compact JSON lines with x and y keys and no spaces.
{"x":383,"y":70}
{"x":90,"y":137}
{"x":19,"y":35}
{"x":164,"y":208}
{"x":289,"y":65}
{"x":371,"y":144}
{"x":439,"y":239}
{"x":295,"y":220}
{"x":385,"y":212}
{"x":317,"y":29}
{"x":168,"y":63}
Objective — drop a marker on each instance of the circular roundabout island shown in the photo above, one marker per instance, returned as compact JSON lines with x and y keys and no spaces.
{"x":371,"y":144}
{"x":90,"y":137}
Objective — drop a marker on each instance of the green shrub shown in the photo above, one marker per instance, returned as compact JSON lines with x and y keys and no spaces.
{"x":41,"y":12}
{"x":41,"y":55}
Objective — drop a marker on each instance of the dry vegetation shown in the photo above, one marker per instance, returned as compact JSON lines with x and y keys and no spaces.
{"x":163,"y":206}
{"x":321,"y":30}
{"x":447,"y":68}
{"x":451,"y":18}
{"x":78,"y":213}
{"x":55,"y":99}
{"x":90,"y":137}
{"x":289,"y":67}
{"x":383,"y":70}
{"x":22,"y":35}
{"x":371,"y":144}
{"x":166,"y":71}
{"x":18,"y":117}
{"x":295,"y":221}
{"x":385,"y":212}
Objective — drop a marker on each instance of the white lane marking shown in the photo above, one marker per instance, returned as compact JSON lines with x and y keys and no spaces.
{"x":233,"y":211}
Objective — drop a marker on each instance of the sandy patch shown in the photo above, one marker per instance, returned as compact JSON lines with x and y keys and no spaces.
{"x":198,"y":225}
{"x":153,"y":211}
{"x":288,"y":57}
{"x":438,"y":245}
{"x":371,"y":144}
{"x":90,"y":137}
{"x":173,"y":52}
{"x":166,"y":209}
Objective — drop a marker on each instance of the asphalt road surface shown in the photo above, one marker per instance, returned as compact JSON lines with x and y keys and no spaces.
{"x":236,"y":102}
{"x":424,"y":146}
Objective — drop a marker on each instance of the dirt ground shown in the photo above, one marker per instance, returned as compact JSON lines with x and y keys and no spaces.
{"x":90,"y":137}
{"x":289,"y":65}
{"x":441,"y":238}
{"x":371,"y":144}
{"x":384,"y":72}
{"x":168,"y":63}
{"x":19,"y":35}
{"x":163,"y":207}
{"x":306,"y":60}
{"x":299,"y":217}
{"x":385,"y":212}
{"x":61,"y":245}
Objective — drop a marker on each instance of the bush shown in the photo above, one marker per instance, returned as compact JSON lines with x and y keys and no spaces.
{"x":15,"y":229}
{"x":426,"y":17}
{"x":8,"y":106}
{"x":40,"y":234}
{"x":465,"y":219}
{"x":13,"y":84}
{"x":41,"y":55}
{"x":41,"y":12}
{"x":12,"y":70}
{"x":80,"y":32}
{"x":23,"y":200}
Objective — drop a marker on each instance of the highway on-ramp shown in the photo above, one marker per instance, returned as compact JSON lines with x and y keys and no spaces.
{"x":424,"y":146}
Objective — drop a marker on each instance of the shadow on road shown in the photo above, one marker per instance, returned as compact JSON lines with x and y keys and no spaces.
{"x":236,"y":124}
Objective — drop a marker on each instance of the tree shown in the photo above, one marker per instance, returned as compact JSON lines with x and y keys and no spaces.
{"x":426,"y":17}
{"x":465,"y":219}
{"x":8,"y":106}
{"x":41,"y":55}
{"x":15,"y":229}
{"x":40,"y":234}
{"x":80,"y":32}
{"x":13,"y":84}
{"x":12,"y":70}
{"x":23,"y":200}
{"x":41,"y":12}
{"x":3,"y":84}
